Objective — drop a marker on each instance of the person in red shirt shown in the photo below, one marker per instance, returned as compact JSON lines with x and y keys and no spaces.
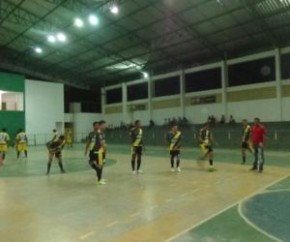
{"x":258,"y":135}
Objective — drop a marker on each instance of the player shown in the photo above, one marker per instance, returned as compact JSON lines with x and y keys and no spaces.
{"x":206,"y":139}
{"x":90,"y":138}
{"x":54,"y":150}
{"x":21,"y":143}
{"x":69,"y":139}
{"x":4,"y":139}
{"x":258,"y":136}
{"x":97,"y":150}
{"x":174,"y":141}
{"x":136,"y":134}
{"x":246,"y":143}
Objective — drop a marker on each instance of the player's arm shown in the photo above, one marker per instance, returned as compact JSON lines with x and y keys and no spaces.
{"x":88,"y":143}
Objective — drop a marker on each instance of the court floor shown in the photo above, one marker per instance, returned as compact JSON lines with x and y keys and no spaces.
{"x":158,"y":205}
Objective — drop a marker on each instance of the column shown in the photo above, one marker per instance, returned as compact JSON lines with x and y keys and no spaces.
{"x":150,"y":96}
{"x":278,"y":83}
{"x":224,"y":70}
{"x":182,"y":93}
{"x":124,"y":103}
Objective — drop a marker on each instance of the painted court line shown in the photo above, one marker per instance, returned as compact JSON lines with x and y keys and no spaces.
{"x":226,"y":208}
{"x":87,"y":235}
{"x":112,"y":224}
{"x":134,"y":214}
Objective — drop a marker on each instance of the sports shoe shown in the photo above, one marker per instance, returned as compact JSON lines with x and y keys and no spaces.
{"x":172,"y":170}
{"x":133,"y":172}
{"x":103,"y":179}
{"x":178,"y":169}
{"x":211,"y":168}
{"x":140,"y":171}
{"x":101,"y":182}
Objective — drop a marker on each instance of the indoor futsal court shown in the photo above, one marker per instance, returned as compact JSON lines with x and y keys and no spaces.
{"x":158,"y":205}
{"x":144,"y":120}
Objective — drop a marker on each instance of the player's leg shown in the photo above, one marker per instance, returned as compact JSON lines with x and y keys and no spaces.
{"x":133,"y":160}
{"x":60,"y":164}
{"x":243,"y":151}
{"x":172,"y":155}
{"x":18,"y":150}
{"x":177,"y":155}
{"x":210,"y":158}
{"x":256,"y":156}
{"x":50,"y":158}
{"x":99,"y":162}
{"x":139,"y":158}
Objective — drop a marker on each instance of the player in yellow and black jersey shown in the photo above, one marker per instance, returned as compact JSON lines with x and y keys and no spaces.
{"x":97,"y":149}
{"x":54,"y":150}
{"x":205,"y":140}
{"x":136,"y":134}
{"x":246,"y":136}
{"x":174,"y":141}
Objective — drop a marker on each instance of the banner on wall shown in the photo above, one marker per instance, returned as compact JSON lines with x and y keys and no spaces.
{"x":203,"y":100}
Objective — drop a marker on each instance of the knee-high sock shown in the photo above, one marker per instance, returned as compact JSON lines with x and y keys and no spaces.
{"x":61,"y":166}
{"x":48,"y":167}
{"x":99,"y":173}
{"x":138,"y":162}
{"x":172,"y":161}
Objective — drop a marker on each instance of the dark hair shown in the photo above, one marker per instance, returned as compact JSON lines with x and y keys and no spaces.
{"x":54,"y":130}
{"x":136,"y":122}
{"x":96,"y":122}
{"x":173,"y":123}
{"x":4,"y":130}
{"x":102,"y":122}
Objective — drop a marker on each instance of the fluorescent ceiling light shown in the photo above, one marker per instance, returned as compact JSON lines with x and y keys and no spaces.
{"x":51,"y":38}
{"x":38,"y":50}
{"x":61,"y":37}
{"x":93,"y":20}
{"x":114,"y":9}
{"x":78,"y":22}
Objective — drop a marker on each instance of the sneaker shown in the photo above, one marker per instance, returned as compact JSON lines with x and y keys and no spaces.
{"x":63,"y":171}
{"x":101,"y":182}
{"x":103,"y":179}
{"x":172,"y":170}
{"x":211,"y":168}
{"x":133,"y":172}
{"x":140,"y":171}
{"x":253,"y":169}
{"x":178,"y":169}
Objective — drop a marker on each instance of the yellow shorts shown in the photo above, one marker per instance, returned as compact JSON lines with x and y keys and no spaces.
{"x":21,"y":147}
{"x":3,"y":147}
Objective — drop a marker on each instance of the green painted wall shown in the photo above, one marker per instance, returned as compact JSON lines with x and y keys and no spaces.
{"x":12,"y":120}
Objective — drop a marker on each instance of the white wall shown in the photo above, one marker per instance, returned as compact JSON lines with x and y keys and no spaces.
{"x":83,"y":124}
{"x":266,"y":110}
{"x":286,"y":109}
{"x":199,"y":113}
{"x":44,"y":106}
{"x":158,"y":115}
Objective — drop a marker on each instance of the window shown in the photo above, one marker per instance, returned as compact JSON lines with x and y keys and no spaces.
{"x":256,"y":71}
{"x":166,"y":87}
{"x":11,"y":101}
{"x":203,"y":80}
{"x":285,"y":66}
{"x":114,"y":96}
{"x":137,"y":91}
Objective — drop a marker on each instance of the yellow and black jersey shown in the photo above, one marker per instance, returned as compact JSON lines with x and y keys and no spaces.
{"x":174,"y":140}
{"x":98,"y":142}
{"x":205,"y":136}
{"x":136,"y":135}
{"x":56,"y":146}
{"x":246,"y":133}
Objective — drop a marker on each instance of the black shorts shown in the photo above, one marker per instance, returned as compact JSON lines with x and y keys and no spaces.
{"x":174,"y":152}
{"x":245,"y":145}
{"x":137,"y":150}
{"x":96,"y":158}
